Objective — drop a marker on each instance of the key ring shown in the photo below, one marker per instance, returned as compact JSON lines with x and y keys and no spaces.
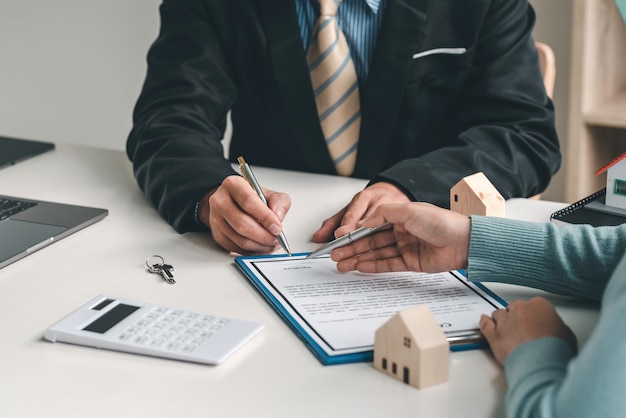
{"x":155,"y":267}
{"x":156,"y":264}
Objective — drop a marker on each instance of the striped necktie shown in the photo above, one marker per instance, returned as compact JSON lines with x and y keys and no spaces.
{"x":335,"y":87}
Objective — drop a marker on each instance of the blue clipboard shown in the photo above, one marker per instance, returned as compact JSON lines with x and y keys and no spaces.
{"x":261,"y":284}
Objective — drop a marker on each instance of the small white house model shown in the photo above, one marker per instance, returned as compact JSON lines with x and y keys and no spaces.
{"x":476,"y":195}
{"x":411,"y":347}
{"x":615,"y":182}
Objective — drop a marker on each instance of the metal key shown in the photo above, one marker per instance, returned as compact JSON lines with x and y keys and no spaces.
{"x":164,"y":270}
{"x":166,"y":273}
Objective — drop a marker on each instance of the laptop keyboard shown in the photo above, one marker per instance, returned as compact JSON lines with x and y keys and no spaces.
{"x":9,"y":207}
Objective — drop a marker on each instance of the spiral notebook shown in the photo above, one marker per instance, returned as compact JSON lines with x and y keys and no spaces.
{"x":590,"y":210}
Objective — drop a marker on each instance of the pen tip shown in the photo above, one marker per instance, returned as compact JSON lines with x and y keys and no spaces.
{"x":241,"y":160}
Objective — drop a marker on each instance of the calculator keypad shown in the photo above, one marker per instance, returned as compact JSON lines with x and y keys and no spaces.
{"x":172,"y":329}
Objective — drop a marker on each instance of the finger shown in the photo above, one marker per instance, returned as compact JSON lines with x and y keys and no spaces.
{"x":373,"y":255}
{"x":396,"y":214}
{"x":231,"y":216}
{"x":369,"y":263}
{"x":378,"y":240}
{"x":356,"y":209}
{"x":345,"y":229}
{"x":379,"y":249}
{"x":499,"y":316}
{"x":375,"y":261}
{"x":230,"y":240}
{"x":248,"y":234}
{"x":326,"y":231}
{"x":390,"y":264}
{"x":487,"y":327}
{"x":278,"y":202}
{"x":260,"y":223}
{"x":375,"y":219}
{"x":259,"y":212}
{"x":367,"y":201}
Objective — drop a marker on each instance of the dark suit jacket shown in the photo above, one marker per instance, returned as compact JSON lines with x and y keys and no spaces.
{"x":426,"y":122}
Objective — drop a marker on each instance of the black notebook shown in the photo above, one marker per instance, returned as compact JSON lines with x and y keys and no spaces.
{"x":592,"y":211}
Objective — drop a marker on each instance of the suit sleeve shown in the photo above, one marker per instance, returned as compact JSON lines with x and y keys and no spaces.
{"x":182,"y":111}
{"x":503,"y":119}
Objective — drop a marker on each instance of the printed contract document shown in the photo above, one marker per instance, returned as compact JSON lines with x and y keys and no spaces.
{"x":337,"y":314}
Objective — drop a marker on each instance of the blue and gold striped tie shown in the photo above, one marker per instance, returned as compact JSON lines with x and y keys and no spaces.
{"x":335,"y":87}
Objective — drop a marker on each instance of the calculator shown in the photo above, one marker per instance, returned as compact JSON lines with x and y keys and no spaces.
{"x":142,"y":328}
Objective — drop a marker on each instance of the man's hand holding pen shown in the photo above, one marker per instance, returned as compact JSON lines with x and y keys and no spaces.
{"x":248,"y":220}
{"x":240,"y":221}
{"x":247,"y":173}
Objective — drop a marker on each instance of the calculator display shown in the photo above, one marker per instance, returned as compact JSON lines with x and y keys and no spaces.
{"x":113,"y":317}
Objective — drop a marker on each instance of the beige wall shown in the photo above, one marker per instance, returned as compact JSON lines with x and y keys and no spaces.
{"x":72,"y":69}
{"x":554,"y":27}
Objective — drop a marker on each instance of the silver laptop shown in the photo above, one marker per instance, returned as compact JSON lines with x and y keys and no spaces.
{"x":27,"y":225}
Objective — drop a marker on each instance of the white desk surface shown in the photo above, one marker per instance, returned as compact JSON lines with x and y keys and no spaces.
{"x":274,"y":375}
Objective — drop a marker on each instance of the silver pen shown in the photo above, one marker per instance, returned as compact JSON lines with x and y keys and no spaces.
{"x":345,"y":240}
{"x":246,"y":172}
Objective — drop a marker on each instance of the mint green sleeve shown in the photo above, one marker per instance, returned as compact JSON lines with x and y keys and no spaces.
{"x":534,"y":372}
{"x":575,"y":260}
{"x":546,"y":380}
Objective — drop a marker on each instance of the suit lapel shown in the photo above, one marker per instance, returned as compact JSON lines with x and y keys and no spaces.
{"x":291,"y":73}
{"x":381,"y":98}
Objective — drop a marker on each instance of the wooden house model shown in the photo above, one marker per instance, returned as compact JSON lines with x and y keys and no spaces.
{"x":475,"y":195}
{"x":615,"y":181}
{"x":411,"y":347}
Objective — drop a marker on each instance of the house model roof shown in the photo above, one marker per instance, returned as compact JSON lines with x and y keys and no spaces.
{"x":611,"y":164}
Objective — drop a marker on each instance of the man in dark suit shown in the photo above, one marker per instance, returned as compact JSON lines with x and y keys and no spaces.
{"x":451,"y":88}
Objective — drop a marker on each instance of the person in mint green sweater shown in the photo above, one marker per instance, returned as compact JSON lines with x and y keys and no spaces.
{"x":546,"y":375}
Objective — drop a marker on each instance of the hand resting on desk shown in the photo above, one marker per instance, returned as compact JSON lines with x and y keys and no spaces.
{"x":522,"y":322}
